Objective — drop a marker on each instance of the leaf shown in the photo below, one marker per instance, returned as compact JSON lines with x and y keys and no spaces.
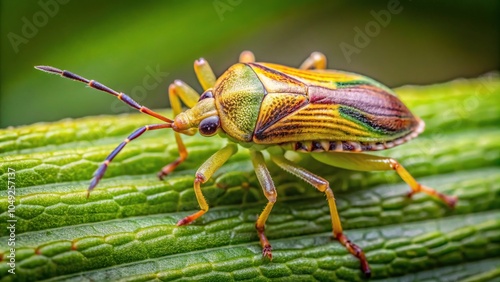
{"x":126,"y":229}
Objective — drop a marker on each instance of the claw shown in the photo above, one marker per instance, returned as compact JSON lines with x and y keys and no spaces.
{"x":161,"y":175}
{"x":357,"y":252}
{"x":166,"y":170}
{"x":451,"y":201}
{"x":190,"y":218}
{"x":266,"y":252}
{"x":184,"y":221}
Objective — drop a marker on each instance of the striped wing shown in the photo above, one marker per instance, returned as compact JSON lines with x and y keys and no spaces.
{"x":303,"y":105}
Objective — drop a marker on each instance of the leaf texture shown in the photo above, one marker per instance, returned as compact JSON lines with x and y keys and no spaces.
{"x":126,"y":229}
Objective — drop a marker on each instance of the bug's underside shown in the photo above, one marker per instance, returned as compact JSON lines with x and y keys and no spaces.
{"x":349,"y":146}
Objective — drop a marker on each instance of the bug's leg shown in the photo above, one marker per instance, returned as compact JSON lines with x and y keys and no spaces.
{"x":203,"y":174}
{"x":323,"y":186}
{"x":247,"y":57}
{"x":178,"y":91}
{"x":204,"y":73}
{"x":366,"y":162}
{"x":102,"y":168}
{"x":267,"y":184}
{"x":315,"y":61}
{"x":96,"y":85}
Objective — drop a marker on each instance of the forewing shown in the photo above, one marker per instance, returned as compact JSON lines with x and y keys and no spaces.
{"x":337,"y":106}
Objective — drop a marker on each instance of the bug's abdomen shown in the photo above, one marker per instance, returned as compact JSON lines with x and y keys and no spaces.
{"x":346,"y":121}
{"x":350,"y":115}
{"x":366,"y":112}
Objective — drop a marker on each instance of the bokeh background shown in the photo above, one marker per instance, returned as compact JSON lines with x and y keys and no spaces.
{"x":139,"y":47}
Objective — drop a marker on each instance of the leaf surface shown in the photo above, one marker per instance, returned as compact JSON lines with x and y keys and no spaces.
{"x":126,"y":229}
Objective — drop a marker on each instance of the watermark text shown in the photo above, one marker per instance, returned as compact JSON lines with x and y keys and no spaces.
{"x":31,"y":26}
{"x":223,"y":6}
{"x":363,"y":37}
{"x":11,"y":221}
{"x":153,"y":78}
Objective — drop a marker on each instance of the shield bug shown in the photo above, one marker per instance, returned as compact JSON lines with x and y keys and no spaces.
{"x":333,"y":115}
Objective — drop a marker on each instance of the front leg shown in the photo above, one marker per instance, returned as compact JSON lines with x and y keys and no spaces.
{"x":180,"y":91}
{"x":203,"y":174}
{"x":177,"y":92}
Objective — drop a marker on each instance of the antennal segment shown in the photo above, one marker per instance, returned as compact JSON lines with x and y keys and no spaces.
{"x":99,"y":86}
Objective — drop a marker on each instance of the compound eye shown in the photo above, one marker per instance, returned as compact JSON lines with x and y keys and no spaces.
{"x":207,"y":94}
{"x":209,"y":126}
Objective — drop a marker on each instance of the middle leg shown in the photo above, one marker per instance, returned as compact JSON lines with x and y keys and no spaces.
{"x":267,"y":184}
{"x":323,"y":186}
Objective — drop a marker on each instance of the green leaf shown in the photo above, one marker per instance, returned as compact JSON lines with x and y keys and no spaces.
{"x":126,"y":229}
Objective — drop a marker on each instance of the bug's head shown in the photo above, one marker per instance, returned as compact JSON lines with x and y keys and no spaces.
{"x":203,"y":116}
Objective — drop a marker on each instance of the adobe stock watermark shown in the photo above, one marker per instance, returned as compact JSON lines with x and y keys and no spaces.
{"x":223,"y":6}
{"x":458,"y":114}
{"x":31,"y":26}
{"x":10,"y":256}
{"x":363,"y":37}
{"x":153,"y":78}
{"x":430,"y":146}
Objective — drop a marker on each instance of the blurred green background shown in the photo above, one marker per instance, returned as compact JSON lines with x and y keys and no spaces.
{"x":139,"y":47}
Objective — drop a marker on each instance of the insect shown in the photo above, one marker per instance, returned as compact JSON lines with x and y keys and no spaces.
{"x":333,"y":115}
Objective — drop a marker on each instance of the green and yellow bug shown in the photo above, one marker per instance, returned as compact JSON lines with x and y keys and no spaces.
{"x":333,"y":115}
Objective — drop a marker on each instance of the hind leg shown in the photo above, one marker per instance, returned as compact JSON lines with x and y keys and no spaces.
{"x":366,"y":162}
